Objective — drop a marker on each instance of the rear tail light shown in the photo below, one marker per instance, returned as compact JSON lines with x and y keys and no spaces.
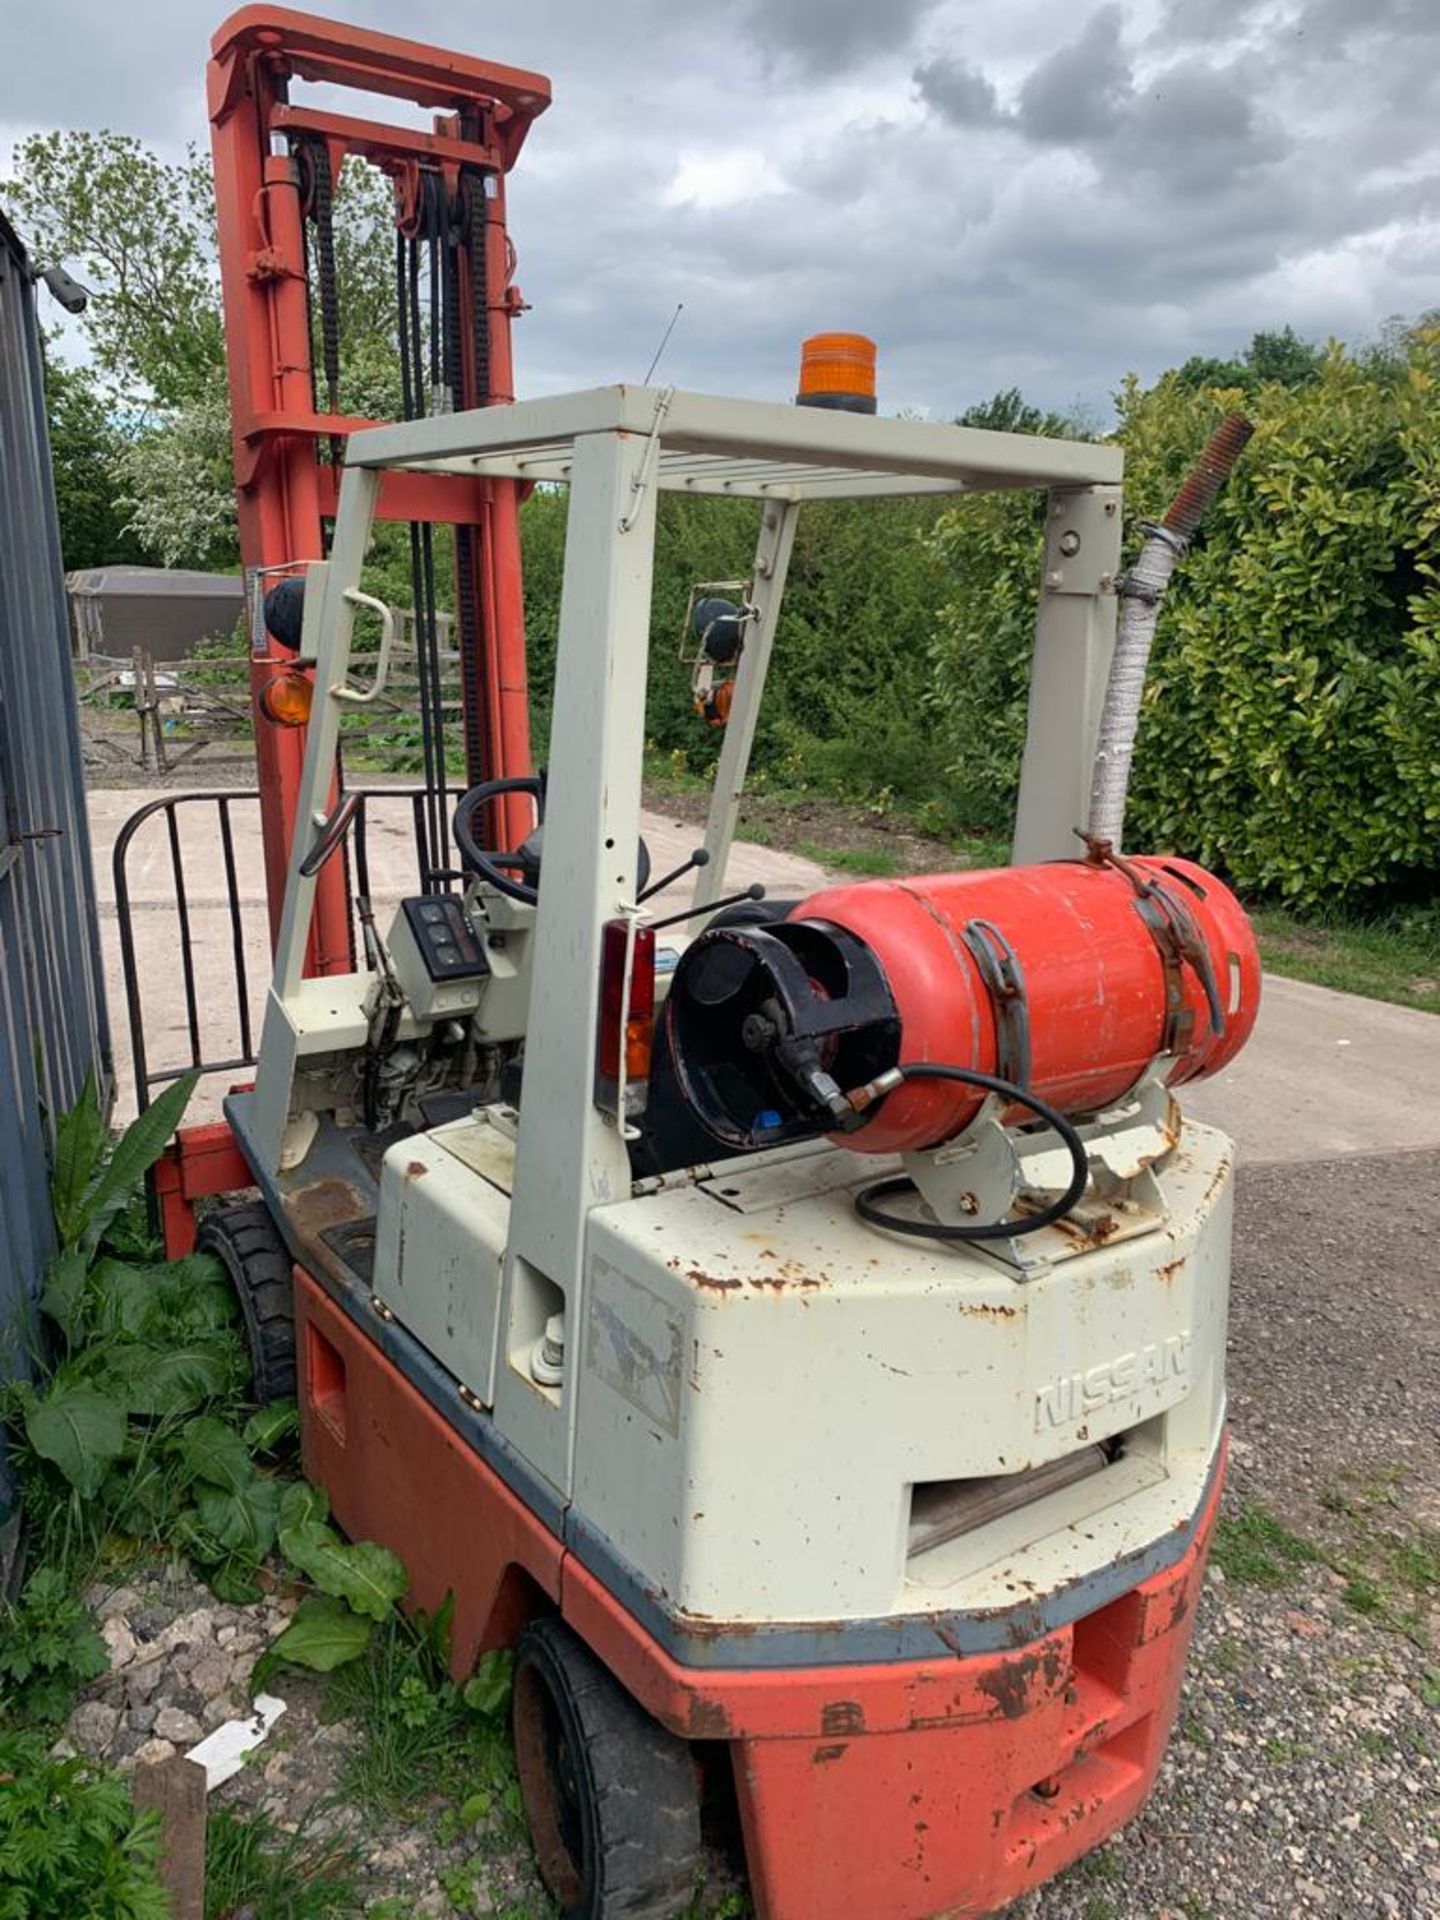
{"x":627,"y":1018}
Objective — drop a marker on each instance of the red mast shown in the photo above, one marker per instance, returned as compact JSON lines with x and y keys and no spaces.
{"x":274,"y":164}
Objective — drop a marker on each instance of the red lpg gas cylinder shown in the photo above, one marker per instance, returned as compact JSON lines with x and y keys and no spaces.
{"x":1116,"y":963}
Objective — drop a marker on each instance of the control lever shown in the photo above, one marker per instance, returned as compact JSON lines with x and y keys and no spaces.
{"x":699,"y":858}
{"x":755,"y":892}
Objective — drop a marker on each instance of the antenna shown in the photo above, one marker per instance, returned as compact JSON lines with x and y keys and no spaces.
{"x":664,"y":342}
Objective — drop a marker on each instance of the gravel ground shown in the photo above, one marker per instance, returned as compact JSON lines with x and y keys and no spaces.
{"x":181,"y":1664}
{"x":1304,"y":1776}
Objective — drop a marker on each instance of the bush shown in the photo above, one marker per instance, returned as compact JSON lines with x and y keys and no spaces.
{"x":1291,"y":730}
{"x":846,"y":705}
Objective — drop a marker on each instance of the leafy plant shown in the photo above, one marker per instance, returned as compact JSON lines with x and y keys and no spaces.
{"x":48,"y":1650}
{"x":121,"y":1437}
{"x":71,"y":1842}
{"x":94,"y":1178}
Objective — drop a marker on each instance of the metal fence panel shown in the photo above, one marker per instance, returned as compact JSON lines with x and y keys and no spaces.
{"x":53,"y":1028}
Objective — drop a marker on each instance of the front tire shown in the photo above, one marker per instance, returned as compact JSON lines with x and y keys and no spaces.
{"x":247,"y":1243}
{"x":610,"y":1796}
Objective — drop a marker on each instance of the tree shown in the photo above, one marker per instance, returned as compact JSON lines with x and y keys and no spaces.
{"x":177,"y":486}
{"x":1280,"y":359}
{"x":1284,"y":358}
{"x":1010,"y":412}
{"x":85,"y":449}
{"x":140,"y":231}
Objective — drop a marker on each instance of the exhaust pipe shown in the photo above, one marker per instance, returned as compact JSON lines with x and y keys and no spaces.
{"x":1141,"y":591}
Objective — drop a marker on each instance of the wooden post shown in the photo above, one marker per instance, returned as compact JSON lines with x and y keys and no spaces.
{"x":177,"y":1788}
{"x":137,"y":664}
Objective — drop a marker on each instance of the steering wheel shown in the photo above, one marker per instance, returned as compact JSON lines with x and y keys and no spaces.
{"x":526,"y":857}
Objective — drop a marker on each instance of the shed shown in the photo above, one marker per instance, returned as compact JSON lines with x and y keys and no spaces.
{"x":165,"y":610}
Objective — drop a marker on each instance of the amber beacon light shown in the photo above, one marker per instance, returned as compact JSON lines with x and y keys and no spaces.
{"x":837,"y":370}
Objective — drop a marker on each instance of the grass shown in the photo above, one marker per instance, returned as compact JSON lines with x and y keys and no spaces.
{"x":1253,"y":1549}
{"x":418,"y":1741}
{"x":1391,"y":1566}
{"x":862,"y":860}
{"x":1393,"y":957}
{"x":255,"y":1865}
{"x":424,"y":1755}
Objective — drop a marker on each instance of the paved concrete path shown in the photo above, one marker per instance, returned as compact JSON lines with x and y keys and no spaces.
{"x":157,"y":927}
{"x":1326,"y":1074}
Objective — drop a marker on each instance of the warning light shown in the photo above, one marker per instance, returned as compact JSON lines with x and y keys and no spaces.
{"x":837,"y":370}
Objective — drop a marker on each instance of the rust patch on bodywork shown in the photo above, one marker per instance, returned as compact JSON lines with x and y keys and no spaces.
{"x":415,"y":1170}
{"x":712,"y":1282}
{"x":842,"y":1716}
{"x":822,"y":1755}
{"x":1168,"y":1272}
{"x":1218,"y":1178}
{"x":312,"y":1211}
{"x":1099,"y":1231}
{"x":709,"y":1719}
{"x":1010,"y":1683}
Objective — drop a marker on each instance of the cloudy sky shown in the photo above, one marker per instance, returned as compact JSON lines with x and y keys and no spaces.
{"x":1003,"y":192}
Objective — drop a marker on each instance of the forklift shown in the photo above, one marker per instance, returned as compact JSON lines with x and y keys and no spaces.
{"x":795,"y":1327}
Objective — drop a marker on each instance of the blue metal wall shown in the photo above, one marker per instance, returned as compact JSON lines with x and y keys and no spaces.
{"x":53,"y":1028}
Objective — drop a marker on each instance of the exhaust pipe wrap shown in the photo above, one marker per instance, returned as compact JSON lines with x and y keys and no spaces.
{"x":1141,"y":592}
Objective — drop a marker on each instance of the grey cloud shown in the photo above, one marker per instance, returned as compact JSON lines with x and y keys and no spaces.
{"x":1075,"y":93}
{"x":1070,"y":198}
{"x":1203,"y":22}
{"x":1191,"y":125}
{"x":965,"y":96}
{"x":1344,"y":19}
{"x":1197,"y":128}
{"x":826,"y":36}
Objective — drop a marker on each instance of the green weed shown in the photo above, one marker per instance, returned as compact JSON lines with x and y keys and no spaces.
{"x":255,"y":1865}
{"x":732,"y":1904}
{"x":68,"y":1831}
{"x":1391,"y":1569}
{"x":48,"y":1650}
{"x":1363,"y":1596}
{"x":1253,"y":1549}
{"x":421,"y":1736}
{"x":1106,"y":1864}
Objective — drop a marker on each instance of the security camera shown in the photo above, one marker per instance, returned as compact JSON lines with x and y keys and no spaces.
{"x":66,"y":289}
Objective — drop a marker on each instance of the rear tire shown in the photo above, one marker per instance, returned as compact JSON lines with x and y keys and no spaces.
{"x":612,"y":1798}
{"x":248,"y":1244}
